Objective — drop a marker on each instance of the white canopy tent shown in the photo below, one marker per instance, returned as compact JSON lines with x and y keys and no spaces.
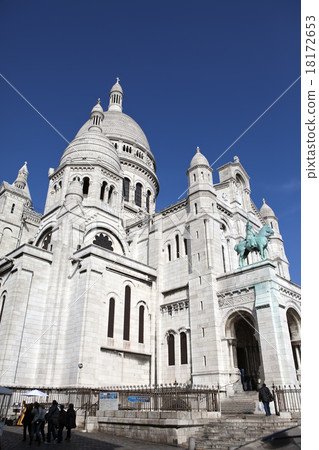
{"x":35,"y":393}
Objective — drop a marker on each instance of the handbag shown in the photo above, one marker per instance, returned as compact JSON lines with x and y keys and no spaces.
{"x":260,"y":406}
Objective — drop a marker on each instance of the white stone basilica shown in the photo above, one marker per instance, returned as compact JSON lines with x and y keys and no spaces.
{"x":102,"y":290}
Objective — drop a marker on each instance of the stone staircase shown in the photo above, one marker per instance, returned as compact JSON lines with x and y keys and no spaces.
{"x":243,"y":402}
{"x":231,"y":431}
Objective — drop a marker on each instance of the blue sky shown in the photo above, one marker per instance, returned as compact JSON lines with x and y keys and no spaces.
{"x":195,"y":73}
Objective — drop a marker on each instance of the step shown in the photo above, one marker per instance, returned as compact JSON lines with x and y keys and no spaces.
{"x":241,"y":402}
{"x":230,"y":432}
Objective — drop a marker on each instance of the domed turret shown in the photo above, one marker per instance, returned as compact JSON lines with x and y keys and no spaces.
{"x":266,"y":211}
{"x":116,"y":97}
{"x":96,"y":117}
{"x":276,"y":247}
{"x":22,"y":177}
{"x":199,"y":172}
{"x":198,"y":160}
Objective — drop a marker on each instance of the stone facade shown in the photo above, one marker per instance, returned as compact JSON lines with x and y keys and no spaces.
{"x":102,"y":290}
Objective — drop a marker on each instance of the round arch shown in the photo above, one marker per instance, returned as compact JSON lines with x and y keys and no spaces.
{"x":240,"y":332}
{"x":45,"y":238}
{"x":98,"y":227}
{"x":294,"y":327}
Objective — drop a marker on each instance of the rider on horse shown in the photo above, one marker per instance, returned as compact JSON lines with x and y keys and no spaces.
{"x":250,"y":236}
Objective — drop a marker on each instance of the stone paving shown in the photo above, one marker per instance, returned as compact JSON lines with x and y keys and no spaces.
{"x":12,"y":440}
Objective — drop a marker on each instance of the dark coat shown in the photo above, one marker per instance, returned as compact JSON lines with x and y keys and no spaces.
{"x":27,"y":419}
{"x":53,"y":414}
{"x":62,"y":418}
{"x":70,"y":418}
{"x":265,"y":394}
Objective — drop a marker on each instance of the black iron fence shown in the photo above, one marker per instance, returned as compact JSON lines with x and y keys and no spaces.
{"x":174,"y":397}
{"x":171,"y":397}
{"x":287,"y":398}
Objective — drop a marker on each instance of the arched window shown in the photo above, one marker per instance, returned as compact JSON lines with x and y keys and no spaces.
{"x":195,"y":208}
{"x":141,"y":324}
{"x":12,"y":208}
{"x":138,"y":194}
{"x":185,"y":246}
{"x":45,"y":240}
{"x":148,"y":198}
{"x":103,"y":187}
{"x":224,"y":261}
{"x":169,"y":253}
{"x":171,"y":349}
{"x":86,"y":185}
{"x":3,"y":299}
{"x":110,"y":196}
{"x":127,"y":314}
{"x":126,"y":189}
{"x":183,"y":344}
{"x":177,"y":245}
{"x":110,"y":328}
{"x":293,"y":321}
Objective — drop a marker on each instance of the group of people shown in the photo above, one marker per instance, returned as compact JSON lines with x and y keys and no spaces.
{"x":35,"y":417}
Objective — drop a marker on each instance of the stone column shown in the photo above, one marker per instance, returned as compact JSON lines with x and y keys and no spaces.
{"x":276,"y":351}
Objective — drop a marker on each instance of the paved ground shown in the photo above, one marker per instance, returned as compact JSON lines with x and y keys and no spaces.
{"x":12,"y":440}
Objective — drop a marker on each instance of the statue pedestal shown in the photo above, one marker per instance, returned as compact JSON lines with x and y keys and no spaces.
{"x":254,"y":294}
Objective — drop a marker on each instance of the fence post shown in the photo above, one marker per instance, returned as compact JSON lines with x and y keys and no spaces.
{"x":274,"y":393}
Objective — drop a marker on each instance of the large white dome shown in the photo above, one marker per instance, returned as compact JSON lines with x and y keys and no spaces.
{"x":90,"y":147}
{"x":117,"y":125}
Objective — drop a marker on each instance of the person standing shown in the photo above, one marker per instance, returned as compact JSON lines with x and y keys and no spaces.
{"x":38,"y":414}
{"x":265,"y":396}
{"x":52,"y":418}
{"x":61,"y":422}
{"x":70,"y":421}
{"x":27,"y":420}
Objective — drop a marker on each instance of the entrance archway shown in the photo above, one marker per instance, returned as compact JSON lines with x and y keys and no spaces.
{"x":246,"y":357}
{"x":293,"y":320}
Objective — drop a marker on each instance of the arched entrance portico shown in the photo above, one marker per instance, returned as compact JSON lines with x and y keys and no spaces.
{"x":293,"y":320}
{"x":241,"y":331}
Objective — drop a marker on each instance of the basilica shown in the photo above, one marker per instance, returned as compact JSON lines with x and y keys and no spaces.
{"x":101,"y":289}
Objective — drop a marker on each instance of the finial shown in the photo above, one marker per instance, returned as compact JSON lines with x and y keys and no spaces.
{"x":236,"y":159}
{"x":117,"y":80}
{"x":99,"y":100}
{"x":197,"y":150}
{"x":264,"y":201}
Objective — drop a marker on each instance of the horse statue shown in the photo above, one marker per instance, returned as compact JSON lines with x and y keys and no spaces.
{"x":253,"y":242}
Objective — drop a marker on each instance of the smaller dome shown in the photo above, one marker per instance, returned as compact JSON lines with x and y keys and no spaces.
{"x":199,"y":159}
{"x":117,"y":87}
{"x":91,"y":147}
{"x":266,"y":211}
{"x":97,"y":107}
{"x":21,"y":180}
